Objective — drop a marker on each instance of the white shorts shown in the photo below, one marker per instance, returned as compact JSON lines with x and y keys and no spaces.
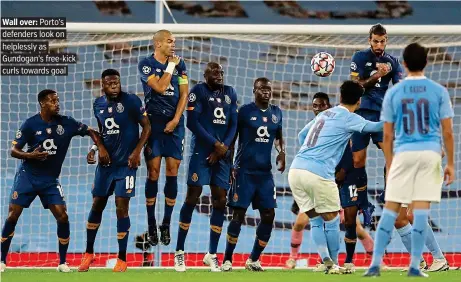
{"x":415,"y":176}
{"x":313,"y":192}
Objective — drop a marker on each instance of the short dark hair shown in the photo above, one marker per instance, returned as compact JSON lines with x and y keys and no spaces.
{"x":261,"y":80}
{"x":415,"y":57}
{"x":108,"y":72}
{"x":322,"y":95}
{"x":351,"y":91}
{"x":377,"y":29}
{"x":44,"y":93}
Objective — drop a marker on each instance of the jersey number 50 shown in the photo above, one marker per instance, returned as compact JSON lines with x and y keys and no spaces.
{"x":421,"y":116}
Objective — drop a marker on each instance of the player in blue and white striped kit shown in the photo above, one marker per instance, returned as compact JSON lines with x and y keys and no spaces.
{"x":312,"y":173}
{"x":413,"y":112}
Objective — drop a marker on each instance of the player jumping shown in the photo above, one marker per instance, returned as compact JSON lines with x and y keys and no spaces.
{"x":312,"y":173}
{"x":373,"y":69}
{"x":259,"y":124}
{"x":119,"y":115}
{"x":47,"y":135}
{"x":165,"y":84}
{"x":417,"y":108}
{"x":212,"y":118}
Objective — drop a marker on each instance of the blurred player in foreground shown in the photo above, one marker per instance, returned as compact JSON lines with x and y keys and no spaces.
{"x":374,"y":69}
{"x":165,"y":84}
{"x":320,"y":103}
{"x":312,"y":173}
{"x":416,"y":109}
{"x":259,"y":125}
{"x":119,"y":115}
{"x":47,"y":135}
{"x":212,"y":119}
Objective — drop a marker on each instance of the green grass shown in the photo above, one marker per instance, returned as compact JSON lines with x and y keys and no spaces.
{"x":196,"y":275}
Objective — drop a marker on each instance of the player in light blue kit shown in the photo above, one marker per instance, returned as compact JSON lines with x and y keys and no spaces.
{"x":312,"y":173}
{"x":415,"y":109}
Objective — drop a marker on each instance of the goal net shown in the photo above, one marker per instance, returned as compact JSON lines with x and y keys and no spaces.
{"x":283,"y":55}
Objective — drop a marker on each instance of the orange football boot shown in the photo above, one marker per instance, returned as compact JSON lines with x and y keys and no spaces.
{"x":86,"y":262}
{"x":120,"y":266}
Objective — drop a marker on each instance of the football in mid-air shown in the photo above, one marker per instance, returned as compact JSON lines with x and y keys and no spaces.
{"x":323,"y":64}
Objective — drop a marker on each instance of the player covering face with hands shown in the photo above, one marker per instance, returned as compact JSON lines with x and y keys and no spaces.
{"x":212,"y":119}
{"x":259,"y":127}
{"x":119,"y":115}
{"x":47,"y":135}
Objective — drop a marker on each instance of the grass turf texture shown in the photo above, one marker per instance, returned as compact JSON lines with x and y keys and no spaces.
{"x":198,"y":275}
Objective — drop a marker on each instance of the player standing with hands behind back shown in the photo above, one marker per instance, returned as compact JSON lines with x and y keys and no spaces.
{"x":165,"y":84}
{"x":373,"y":69}
{"x":415,"y":109}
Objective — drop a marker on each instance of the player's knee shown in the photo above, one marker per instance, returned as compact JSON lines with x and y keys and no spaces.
{"x":351,"y":231}
{"x":62,"y":218}
{"x":193,"y":194}
{"x":99,"y":204}
{"x":219,"y":203}
{"x":121,"y":212}
{"x":267,"y":216}
{"x":401,"y":222}
{"x":13,"y":216}
{"x":238,"y":215}
{"x":153,"y":174}
{"x":172,"y":168}
{"x":359,"y":159}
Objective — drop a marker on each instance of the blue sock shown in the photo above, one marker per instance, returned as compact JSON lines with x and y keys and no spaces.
{"x":7,"y":236}
{"x":185,"y":217}
{"x":150,"y":191}
{"x":123,"y":230}
{"x":63,"y":238}
{"x":216,"y":222}
{"x":332,"y":232}
{"x":319,"y":237}
{"x":405,"y":235}
{"x":263,"y":234}
{"x":171,"y":191}
{"x":418,"y":236}
{"x":383,"y":236}
{"x":92,"y":226}
{"x":432,"y":245}
{"x":233,"y":231}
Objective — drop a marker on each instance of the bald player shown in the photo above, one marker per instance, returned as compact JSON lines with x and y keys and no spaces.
{"x":165,"y":84}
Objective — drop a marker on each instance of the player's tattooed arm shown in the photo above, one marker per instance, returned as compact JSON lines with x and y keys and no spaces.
{"x":134,"y":160}
{"x":160,"y":84}
{"x":280,"y":147}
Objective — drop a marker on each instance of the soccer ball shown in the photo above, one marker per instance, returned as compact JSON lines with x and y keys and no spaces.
{"x":323,"y":64}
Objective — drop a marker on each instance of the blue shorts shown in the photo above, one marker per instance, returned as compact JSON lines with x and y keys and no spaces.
{"x":257,"y":189}
{"x":120,"y":179}
{"x":349,"y":197}
{"x":202,"y":173}
{"x":162,"y":144}
{"x":361,"y":140}
{"x":27,"y":187}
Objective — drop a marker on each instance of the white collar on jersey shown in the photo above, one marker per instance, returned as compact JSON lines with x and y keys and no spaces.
{"x":415,"y":77}
{"x":342,"y":107}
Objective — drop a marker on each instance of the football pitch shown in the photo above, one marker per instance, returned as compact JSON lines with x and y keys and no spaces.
{"x":198,"y":275}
